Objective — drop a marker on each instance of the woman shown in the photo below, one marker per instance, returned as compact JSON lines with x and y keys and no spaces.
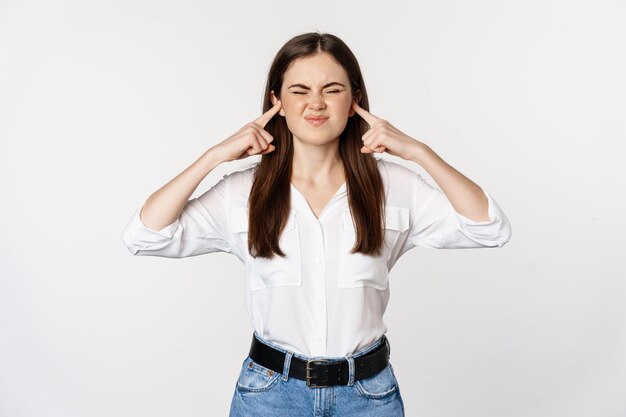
{"x":318,"y":223}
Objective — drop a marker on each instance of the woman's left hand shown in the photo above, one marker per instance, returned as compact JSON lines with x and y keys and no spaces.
{"x":382,"y":137}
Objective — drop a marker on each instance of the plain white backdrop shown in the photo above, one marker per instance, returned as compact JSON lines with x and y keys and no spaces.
{"x":101,"y":103}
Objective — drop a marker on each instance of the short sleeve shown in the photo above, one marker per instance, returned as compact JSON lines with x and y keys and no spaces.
{"x":202,"y":227}
{"x":436,"y":224}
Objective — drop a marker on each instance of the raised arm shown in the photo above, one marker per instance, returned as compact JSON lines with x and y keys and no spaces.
{"x":165,"y":205}
{"x":467,"y":198}
{"x":461,"y":215}
{"x":169,"y":224}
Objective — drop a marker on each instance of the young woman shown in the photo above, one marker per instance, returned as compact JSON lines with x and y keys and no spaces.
{"x":318,"y":223}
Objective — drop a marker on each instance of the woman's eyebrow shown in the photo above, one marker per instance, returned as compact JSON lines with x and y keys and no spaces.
{"x":308,"y":88}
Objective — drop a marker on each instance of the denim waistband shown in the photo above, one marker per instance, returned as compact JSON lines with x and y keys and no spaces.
{"x":360,"y":352}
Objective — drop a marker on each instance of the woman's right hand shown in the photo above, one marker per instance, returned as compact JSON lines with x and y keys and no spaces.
{"x":250,"y":140}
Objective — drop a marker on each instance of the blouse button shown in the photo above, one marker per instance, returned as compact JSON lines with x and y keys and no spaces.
{"x":317,"y":260}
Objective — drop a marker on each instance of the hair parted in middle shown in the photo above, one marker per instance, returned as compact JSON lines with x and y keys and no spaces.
{"x":270,"y":196}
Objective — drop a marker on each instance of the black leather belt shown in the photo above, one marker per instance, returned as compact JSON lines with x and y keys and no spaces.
{"x":320,"y":373}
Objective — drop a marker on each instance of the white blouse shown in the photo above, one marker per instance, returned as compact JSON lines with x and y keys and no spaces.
{"x":319,"y":300}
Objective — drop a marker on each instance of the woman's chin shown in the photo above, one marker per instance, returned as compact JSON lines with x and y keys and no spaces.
{"x":320,"y":139}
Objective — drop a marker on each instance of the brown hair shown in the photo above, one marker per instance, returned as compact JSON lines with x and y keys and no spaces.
{"x":270,"y":196}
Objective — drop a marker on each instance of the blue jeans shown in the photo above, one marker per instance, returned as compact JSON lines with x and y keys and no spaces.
{"x":263,"y":392}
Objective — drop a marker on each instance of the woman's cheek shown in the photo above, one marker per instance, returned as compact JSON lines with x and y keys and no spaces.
{"x":345,"y":105}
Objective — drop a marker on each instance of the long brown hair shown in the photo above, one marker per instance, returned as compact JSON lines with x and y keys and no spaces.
{"x":270,"y":196}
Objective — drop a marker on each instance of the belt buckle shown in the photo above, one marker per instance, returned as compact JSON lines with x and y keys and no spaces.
{"x":308,"y":373}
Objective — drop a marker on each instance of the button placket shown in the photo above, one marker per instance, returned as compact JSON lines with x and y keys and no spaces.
{"x":320,"y":299}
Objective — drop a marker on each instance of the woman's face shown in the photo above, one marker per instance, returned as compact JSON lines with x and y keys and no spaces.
{"x":316,"y":86}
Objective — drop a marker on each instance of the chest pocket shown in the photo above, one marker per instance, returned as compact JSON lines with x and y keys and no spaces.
{"x":359,"y":270}
{"x":275,"y":272}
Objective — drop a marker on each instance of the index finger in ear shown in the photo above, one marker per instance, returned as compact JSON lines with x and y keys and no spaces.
{"x":267,"y":116}
{"x":367,"y":116}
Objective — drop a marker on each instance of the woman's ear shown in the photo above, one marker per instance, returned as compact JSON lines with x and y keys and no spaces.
{"x":357,"y":98}
{"x":274,"y":100}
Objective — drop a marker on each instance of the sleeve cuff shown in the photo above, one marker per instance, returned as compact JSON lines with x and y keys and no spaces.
{"x":167,"y":231}
{"x":493,"y":232}
{"x":138,"y":236}
{"x":491,"y":211}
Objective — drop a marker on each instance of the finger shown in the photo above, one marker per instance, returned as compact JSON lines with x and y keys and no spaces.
{"x":367,"y":116}
{"x":368,"y":134}
{"x":266,"y":135}
{"x":371,"y":138}
{"x":256,"y":144}
{"x":269,"y":149}
{"x":267,"y":116}
{"x":367,"y":149}
{"x":264,"y":139}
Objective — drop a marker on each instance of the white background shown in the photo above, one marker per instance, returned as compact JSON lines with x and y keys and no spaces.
{"x":101,"y":103}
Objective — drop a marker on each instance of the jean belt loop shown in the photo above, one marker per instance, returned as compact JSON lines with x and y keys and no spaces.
{"x":287,"y":364}
{"x":388,"y":347}
{"x":351,"y":372}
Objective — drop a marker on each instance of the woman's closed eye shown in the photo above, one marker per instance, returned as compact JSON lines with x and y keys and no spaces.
{"x":303,"y":92}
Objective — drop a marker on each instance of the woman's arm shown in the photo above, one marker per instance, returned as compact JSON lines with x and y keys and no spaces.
{"x":164,"y":206}
{"x":169,"y":224}
{"x":466,"y":196}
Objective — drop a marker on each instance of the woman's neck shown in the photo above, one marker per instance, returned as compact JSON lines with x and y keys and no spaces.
{"x":314,"y":163}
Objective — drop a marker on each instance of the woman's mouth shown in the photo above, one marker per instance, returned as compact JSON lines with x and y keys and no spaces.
{"x":316,"y":121}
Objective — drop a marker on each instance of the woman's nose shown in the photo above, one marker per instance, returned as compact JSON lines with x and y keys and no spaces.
{"x":317,"y":101}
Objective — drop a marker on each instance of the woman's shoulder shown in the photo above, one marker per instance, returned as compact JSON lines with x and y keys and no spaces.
{"x":241,"y":175}
{"x":234,"y":186}
{"x":394,"y":171}
{"x":399,"y":181}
